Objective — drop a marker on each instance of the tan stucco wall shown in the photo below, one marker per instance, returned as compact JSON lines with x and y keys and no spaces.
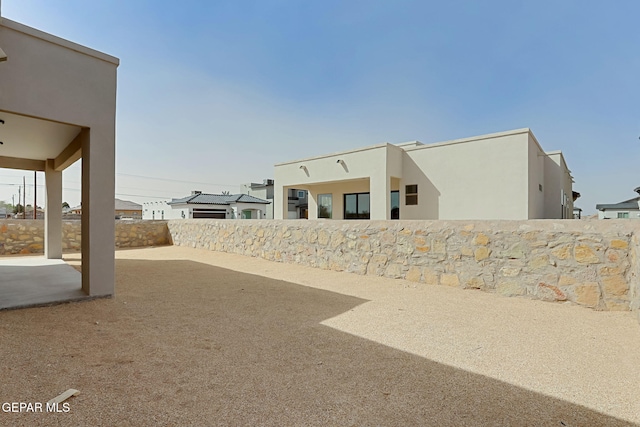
{"x":590,"y":263}
{"x":78,"y":84}
{"x":467,"y":180}
{"x":27,"y":236}
{"x":487,"y":177}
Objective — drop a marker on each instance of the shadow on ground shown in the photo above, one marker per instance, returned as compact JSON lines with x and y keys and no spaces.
{"x":185,"y":343}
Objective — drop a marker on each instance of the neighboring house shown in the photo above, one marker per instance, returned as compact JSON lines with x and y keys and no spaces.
{"x":504,"y":175}
{"x":296,"y":199}
{"x":124,"y":209}
{"x":627,"y":209}
{"x":40,"y":214}
{"x":262,"y":191}
{"x":128,"y":210}
{"x":202,"y":205}
{"x":577,"y":213}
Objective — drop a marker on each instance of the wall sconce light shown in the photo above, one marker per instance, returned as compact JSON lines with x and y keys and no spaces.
{"x":343,"y":164}
{"x":303,"y":167}
{"x":3,"y":56}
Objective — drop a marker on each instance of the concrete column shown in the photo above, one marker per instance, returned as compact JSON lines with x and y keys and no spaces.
{"x":278,"y":209}
{"x":98,"y":211}
{"x":53,"y":212}
{"x":380,"y":196}
{"x":312,"y":203}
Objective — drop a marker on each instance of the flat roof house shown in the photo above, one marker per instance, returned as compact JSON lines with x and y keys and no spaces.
{"x":58,"y":105}
{"x":503,"y":175}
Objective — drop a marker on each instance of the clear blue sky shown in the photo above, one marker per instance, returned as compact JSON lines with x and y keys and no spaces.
{"x":217,"y":92}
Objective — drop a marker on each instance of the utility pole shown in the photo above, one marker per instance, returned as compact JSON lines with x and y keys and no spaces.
{"x":35,"y":200}
{"x":24,"y":198}
{"x":19,"y":198}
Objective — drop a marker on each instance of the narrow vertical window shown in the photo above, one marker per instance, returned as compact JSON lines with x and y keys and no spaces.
{"x":325,"y":206}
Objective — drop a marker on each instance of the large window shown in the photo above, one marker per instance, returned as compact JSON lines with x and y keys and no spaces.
{"x":356,"y":206}
{"x":325,"y":206}
{"x":411,"y":194}
{"x":395,"y":205}
{"x":623,"y":214}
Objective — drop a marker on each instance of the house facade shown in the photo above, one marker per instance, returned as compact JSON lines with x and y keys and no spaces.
{"x":202,"y":205}
{"x":504,"y":175}
{"x":629,"y":209}
{"x":297,"y":203}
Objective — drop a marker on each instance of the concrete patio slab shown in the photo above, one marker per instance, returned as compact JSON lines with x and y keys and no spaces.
{"x":30,"y":281}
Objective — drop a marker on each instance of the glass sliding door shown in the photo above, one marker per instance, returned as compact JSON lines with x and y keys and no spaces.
{"x":357,"y":206}
{"x":325,"y":208}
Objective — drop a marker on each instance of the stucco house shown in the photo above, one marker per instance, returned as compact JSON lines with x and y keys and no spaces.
{"x":297,"y":199}
{"x":57,"y":106}
{"x":503,"y":175}
{"x":202,"y":205}
{"x":626,"y":209}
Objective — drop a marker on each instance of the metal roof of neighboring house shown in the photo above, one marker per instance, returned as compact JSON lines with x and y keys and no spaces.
{"x":627,"y":204}
{"x":126,"y":205}
{"x":120,"y":205}
{"x":217,"y":199}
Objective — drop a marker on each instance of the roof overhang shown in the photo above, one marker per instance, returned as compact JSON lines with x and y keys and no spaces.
{"x":28,"y":142}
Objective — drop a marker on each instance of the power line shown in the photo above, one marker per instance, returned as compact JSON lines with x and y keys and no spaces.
{"x":176,"y":180}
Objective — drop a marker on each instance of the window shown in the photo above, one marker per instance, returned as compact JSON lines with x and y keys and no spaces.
{"x":411,"y":194}
{"x":325,"y":208}
{"x":356,"y":206}
{"x":623,"y":214}
{"x":301,"y":194}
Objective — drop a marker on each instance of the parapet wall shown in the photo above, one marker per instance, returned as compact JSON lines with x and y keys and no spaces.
{"x":18,"y":236}
{"x":590,"y":263}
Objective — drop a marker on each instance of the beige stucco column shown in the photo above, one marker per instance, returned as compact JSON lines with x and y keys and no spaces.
{"x":280,"y":201}
{"x":53,"y":212}
{"x":380,"y":196}
{"x":312,"y":202}
{"x":98,"y":211}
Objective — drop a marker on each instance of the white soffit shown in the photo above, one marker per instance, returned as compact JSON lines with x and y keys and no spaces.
{"x":36,"y":139}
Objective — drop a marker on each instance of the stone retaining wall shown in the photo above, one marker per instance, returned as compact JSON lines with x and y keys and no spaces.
{"x":27,"y":236}
{"x":590,"y":263}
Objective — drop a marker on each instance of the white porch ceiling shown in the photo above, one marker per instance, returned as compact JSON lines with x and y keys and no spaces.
{"x":35,"y":139}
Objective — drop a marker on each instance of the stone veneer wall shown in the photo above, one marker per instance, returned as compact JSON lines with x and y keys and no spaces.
{"x":591,"y":263}
{"x":27,"y":236}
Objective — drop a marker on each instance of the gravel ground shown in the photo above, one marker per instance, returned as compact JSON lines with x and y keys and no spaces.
{"x":198,"y":338}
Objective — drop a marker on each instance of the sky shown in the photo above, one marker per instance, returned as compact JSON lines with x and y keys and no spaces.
{"x":211,"y":94}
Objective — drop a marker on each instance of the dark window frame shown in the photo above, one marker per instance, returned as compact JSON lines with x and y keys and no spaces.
{"x":411,"y":195}
{"x":344,"y":205}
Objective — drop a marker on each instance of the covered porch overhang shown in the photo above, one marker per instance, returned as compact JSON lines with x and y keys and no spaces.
{"x":378,"y":203}
{"x":58,"y":107}
{"x":35,"y":144}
